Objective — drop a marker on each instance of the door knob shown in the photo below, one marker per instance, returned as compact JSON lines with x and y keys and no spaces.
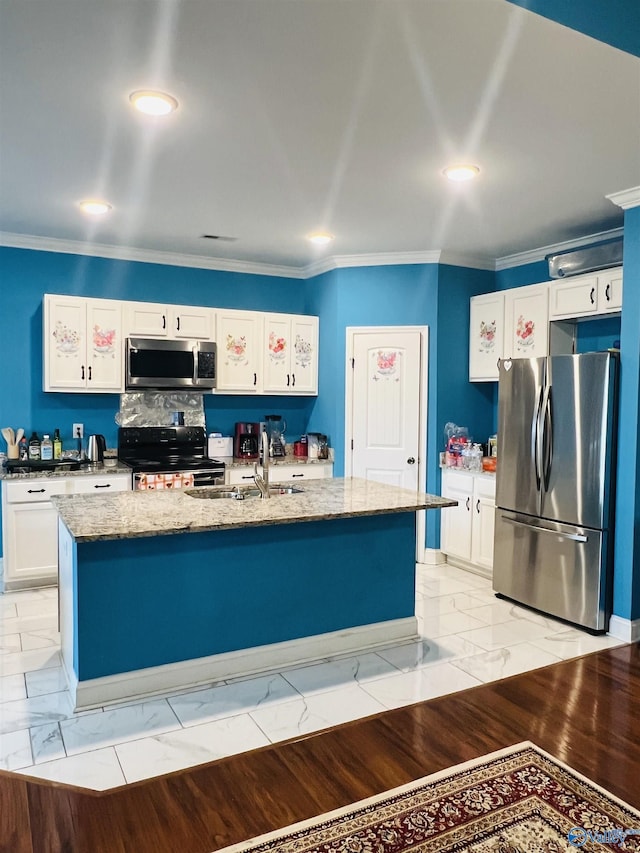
{"x":411,"y":461}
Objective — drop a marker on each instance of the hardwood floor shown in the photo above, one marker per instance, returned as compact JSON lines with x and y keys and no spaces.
{"x":584,"y":711}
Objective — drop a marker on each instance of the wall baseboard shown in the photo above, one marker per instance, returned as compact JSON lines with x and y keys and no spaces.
{"x":432,"y":557}
{"x":141,"y":683}
{"x":627,"y":630}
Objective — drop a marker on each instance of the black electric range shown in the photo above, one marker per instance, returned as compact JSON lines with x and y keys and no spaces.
{"x":168,"y":457}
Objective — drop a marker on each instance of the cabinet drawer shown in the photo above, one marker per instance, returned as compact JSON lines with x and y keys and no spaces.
{"x":30,"y":491}
{"x":283,"y":473}
{"x":101,"y":484}
{"x":238,"y":476}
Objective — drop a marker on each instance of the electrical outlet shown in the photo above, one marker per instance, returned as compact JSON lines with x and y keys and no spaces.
{"x":78,"y":430}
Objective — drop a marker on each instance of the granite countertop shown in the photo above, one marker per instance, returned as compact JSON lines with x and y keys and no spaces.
{"x":289,"y":459}
{"x":148,"y":513}
{"x":88,"y":469}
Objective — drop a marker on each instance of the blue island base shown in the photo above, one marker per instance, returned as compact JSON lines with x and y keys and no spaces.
{"x":146,"y":615}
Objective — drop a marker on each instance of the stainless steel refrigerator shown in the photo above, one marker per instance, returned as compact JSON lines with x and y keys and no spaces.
{"x":555,"y":485}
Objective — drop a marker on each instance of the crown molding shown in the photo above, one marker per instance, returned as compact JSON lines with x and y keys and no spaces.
{"x":145,"y":256}
{"x":374,"y":259}
{"x":626,"y":199}
{"x":541,"y":253}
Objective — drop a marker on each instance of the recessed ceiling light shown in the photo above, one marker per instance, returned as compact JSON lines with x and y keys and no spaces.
{"x":320,"y":238}
{"x":94,"y":207}
{"x":462,"y":172}
{"x":153,"y":103}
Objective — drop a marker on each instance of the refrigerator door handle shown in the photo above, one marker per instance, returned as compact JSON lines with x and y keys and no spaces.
{"x":536,"y":436}
{"x":575,"y":537}
{"x":547,"y":437}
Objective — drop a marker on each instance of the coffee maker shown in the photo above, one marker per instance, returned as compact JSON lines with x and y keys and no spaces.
{"x":246,"y":440}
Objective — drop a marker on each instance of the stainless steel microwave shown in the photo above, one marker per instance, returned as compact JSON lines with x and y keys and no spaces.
{"x":169,"y":365}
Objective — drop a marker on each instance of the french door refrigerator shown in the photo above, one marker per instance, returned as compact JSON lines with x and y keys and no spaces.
{"x":555,"y":485}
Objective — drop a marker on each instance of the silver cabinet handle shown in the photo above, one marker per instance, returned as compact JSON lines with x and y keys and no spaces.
{"x":576,"y":537}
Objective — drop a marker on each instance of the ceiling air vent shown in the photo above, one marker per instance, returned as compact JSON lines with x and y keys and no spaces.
{"x":589,"y":259}
{"x":218,"y":237}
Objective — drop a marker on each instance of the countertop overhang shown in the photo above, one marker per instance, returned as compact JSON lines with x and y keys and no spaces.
{"x":125,"y":515}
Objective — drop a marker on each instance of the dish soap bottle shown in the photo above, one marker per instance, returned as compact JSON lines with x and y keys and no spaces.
{"x":57,"y":445}
{"x":24,"y":449}
{"x":34,"y":446}
{"x":46,"y":448}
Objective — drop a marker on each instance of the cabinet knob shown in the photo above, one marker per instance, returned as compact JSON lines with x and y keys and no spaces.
{"x":411,"y":461}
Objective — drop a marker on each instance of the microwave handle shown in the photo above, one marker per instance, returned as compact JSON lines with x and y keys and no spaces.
{"x":195,"y":349}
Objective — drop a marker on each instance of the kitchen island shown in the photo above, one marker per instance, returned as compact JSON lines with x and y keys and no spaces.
{"x":162,"y":590}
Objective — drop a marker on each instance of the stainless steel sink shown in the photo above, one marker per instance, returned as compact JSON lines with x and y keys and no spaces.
{"x":238,"y":493}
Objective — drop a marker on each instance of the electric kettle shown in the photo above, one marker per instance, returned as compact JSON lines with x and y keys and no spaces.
{"x":96,"y":445}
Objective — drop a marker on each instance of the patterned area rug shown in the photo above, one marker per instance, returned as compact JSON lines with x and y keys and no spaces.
{"x":517,"y":800}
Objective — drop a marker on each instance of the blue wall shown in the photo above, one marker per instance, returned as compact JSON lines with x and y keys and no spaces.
{"x":26,"y":275}
{"x":615,"y":22}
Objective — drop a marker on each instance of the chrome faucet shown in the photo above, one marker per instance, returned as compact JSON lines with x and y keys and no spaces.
{"x":262,"y":482}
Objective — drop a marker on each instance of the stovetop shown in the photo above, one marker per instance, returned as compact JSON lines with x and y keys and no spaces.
{"x":153,"y":449}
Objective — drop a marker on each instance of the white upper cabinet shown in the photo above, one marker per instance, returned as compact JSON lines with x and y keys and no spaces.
{"x":526,"y":321}
{"x":154,"y":320}
{"x":486,"y":336}
{"x":290,"y":354}
{"x":83,"y":344}
{"x":239,"y":336}
{"x":586,"y":295}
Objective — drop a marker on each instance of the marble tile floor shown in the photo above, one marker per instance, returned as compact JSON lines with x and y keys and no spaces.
{"x":467,"y":637}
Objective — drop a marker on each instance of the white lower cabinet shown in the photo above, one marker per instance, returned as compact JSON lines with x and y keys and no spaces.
{"x":243,"y":474}
{"x":466,"y":530}
{"x":30,"y":524}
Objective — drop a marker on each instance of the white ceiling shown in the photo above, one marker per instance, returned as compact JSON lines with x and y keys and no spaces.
{"x":303,"y":114}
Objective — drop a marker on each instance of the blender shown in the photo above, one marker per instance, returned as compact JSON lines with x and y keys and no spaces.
{"x":275,"y":426}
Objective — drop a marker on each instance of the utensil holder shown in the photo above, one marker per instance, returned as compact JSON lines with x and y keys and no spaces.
{"x":13,"y":451}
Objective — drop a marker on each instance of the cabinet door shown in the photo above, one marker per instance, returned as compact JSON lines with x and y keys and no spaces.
{"x":483,"y":512}
{"x":239,"y":336}
{"x":190,"y":322}
{"x":146,"y":320}
{"x":486,"y":336}
{"x":31,"y":550}
{"x":526,"y":322}
{"x":65,"y":343}
{"x":576,"y":297}
{"x":610,"y":290}
{"x":278,"y":351}
{"x":104,"y":345}
{"x":304,"y":355}
{"x":455,"y":521}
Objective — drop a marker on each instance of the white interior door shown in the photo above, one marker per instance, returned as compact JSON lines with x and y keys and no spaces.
{"x":385,"y":442}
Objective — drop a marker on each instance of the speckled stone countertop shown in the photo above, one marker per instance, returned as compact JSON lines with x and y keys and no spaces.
{"x":133,"y":514}
{"x":234,"y":462}
{"x":90,"y":469}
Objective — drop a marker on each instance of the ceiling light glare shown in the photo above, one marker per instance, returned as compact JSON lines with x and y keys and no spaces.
{"x":320,"y":238}
{"x":153,"y":103}
{"x":462,"y":172}
{"x":94,"y":207}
